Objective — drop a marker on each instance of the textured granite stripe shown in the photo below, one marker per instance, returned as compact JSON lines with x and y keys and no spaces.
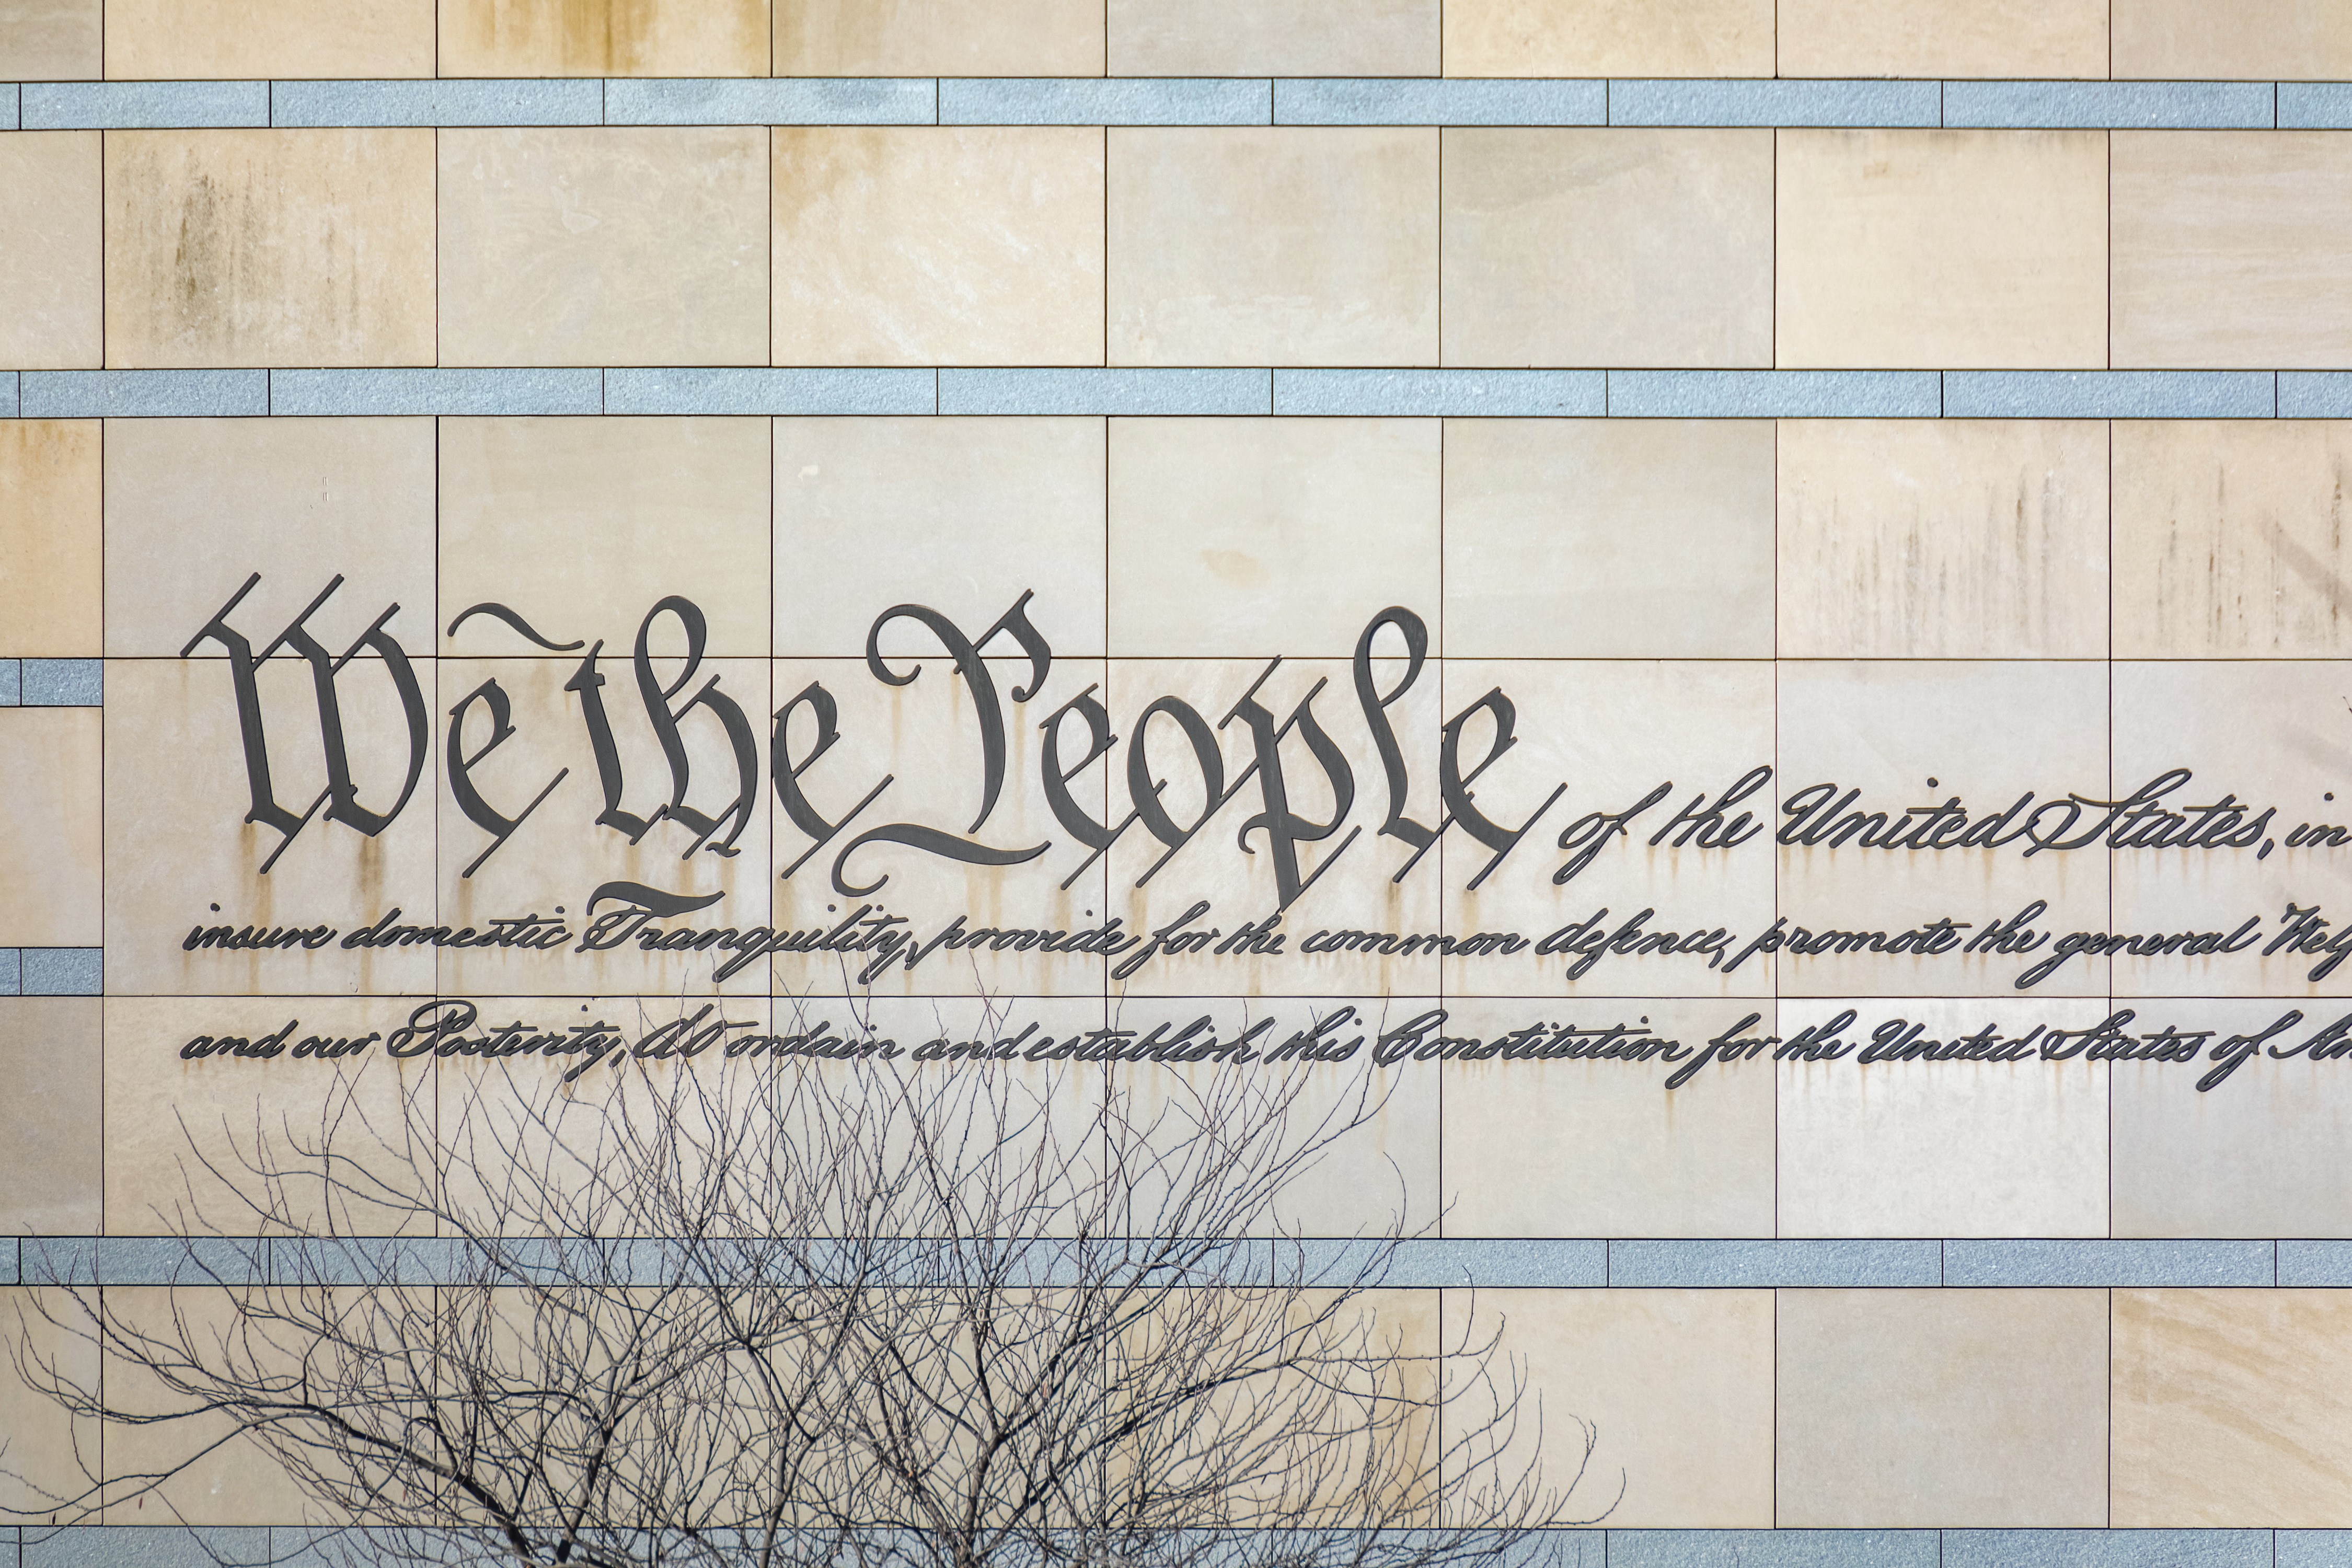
{"x":381,"y":391}
{"x":1425,"y":100}
{"x":144,"y":394}
{"x":145,"y":1546}
{"x":2310,"y":1548}
{"x":2312,"y":1264}
{"x":1501,"y":1264}
{"x":754,"y":101}
{"x":555,"y":101}
{"x":788,"y":391}
{"x":12,"y":106}
{"x":2108,"y":1263}
{"x":58,"y":1260}
{"x":61,"y":971}
{"x":1772,"y":1549}
{"x":172,"y":1260}
{"x":2110,"y":394}
{"x":8,"y":406}
{"x":142,"y":105}
{"x":2103,"y":105}
{"x":12,"y":972}
{"x":1512,"y":394}
{"x":1670,"y":101}
{"x":1012,"y":391}
{"x":2315,"y":394}
{"x":1094,"y":100}
{"x":1759,"y":1264}
{"x":2106,"y":1548}
{"x":1775,"y":394}
{"x":12,"y":682}
{"x":62,"y":683}
{"x":11,"y":1267}
{"x":2314,"y":106}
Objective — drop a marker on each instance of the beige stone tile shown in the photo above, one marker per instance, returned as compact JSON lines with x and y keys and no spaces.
{"x":52,"y":843}
{"x":625,"y":245}
{"x":1219,"y":876}
{"x":560,"y":854}
{"x":1608,"y":248}
{"x":1941,"y":248}
{"x":51,"y":1064}
{"x":51,"y":533}
{"x":2265,"y":734}
{"x":1239,"y":537}
{"x":1273,"y":38}
{"x":1289,"y":246}
{"x":2228,"y":539}
{"x":2258,"y":1155}
{"x":1941,"y":1148}
{"x":963,"y":515}
{"x":1942,"y":1408}
{"x":183,"y":859}
{"x":1597,"y":539}
{"x":1943,"y":539}
{"x":52,"y":1457}
{"x":1595,"y":738}
{"x":2176,"y":40}
{"x":2230,"y":1408}
{"x":1609,"y":37}
{"x":1944,"y":38}
{"x":916,"y":756}
{"x":932,"y":245}
{"x":581,"y":525}
{"x":51,"y":40}
{"x":2231,"y":249}
{"x":51,"y":219}
{"x":269,"y":247}
{"x":194,"y":507}
{"x":172,"y":40}
{"x":1676,"y":1385}
{"x":1582,"y":1148}
{"x":604,"y":38}
{"x":1903,"y":734}
{"x":940,"y":38}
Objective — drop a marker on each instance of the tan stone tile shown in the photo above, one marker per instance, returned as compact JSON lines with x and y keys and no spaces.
{"x":184,"y":861}
{"x":2176,"y":40}
{"x":51,"y":558}
{"x":1593,"y":737}
{"x":51,"y":40}
{"x":963,"y":515}
{"x":1942,"y":1148}
{"x":194,"y":507}
{"x":2230,"y":1408}
{"x":2265,"y":734}
{"x":560,"y":853}
{"x":50,"y":1063}
{"x":52,"y":1455}
{"x":1677,"y":1385}
{"x":1233,"y":537}
{"x":625,"y":244}
{"x":50,"y":248}
{"x":1942,"y":1408}
{"x":53,"y":839}
{"x":2230,"y":249}
{"x":1608,"y":246}
{"x":1945,"y":38}
{"x":1596,"y":538}
{"x":1581,"y":1148}
{"x":914,"y":756}
{"x":172,"y":40}
{"x":1609,"y":37}
{"x":1942,"y":248}
{"x":1273,"y":38}
{"x":1289,"y":246}
{"x":581,"y":526}
{"x":2228,"y":539}
{"x":1905,"y":734}
{"x":604,"y":38}
{"x":931,"y":244}
{"x":940,"y":38}
{"x":269,"y":247}
{"x":2258,"y":1155}
{"x":1943,"y":539}
{"x":1217,"y":877}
